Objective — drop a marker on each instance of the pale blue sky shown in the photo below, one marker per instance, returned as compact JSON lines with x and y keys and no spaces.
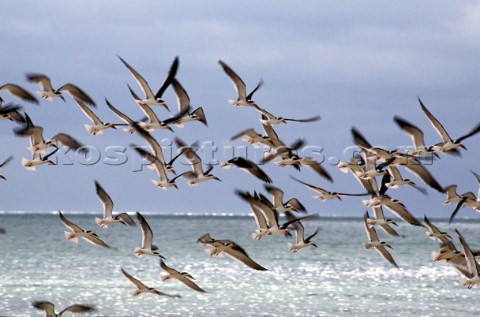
{"x":354,"y":63}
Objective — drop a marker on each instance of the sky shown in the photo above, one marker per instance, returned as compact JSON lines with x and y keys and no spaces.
{"x":353,"y":63}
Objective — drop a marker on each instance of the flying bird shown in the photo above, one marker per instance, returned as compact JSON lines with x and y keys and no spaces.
{"x":148,"y":247}
{"x":169,"y":273}
{"x":448,"y":145}
{"x":243,"y":100}
{"x":38,"y":160}
{"x":10,"y":112}
{"x":380,"y":246}
{"x":107,"y":203}
{"x":49,"y":308}
{"x":48,"y":92}
{"x":419,"y":148}
{"x":229,"y":248}
{"x":253,"y":138}
{"x":300,"y":240}
{"x":325,"y":194}
{"x":98,"y":125}
{"x":78,"y":232}
{"x":248,"y":166}
{"x":269,"y":119}
{"x":183,"y":102}
{"x":197,"y":174}
{"x":473,"y":268}
{"x":150,"y":98}
{"x":142,"y":288}
{"x":293,"y":204}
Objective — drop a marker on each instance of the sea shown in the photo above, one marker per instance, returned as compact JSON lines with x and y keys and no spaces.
{"x":339,"y":278}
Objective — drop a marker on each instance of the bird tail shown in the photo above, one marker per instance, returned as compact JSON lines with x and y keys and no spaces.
{"x":91,"y":129}
{"x":137,"y":252}
{"x":257,"y":236}
{"x":129,"y":130}
{"x":100,"y":222}
{"x":292,"y":247}
{"x":165,"y":277}
{"x":179,"y":124}
{"x":367,"y":245}
{"x":136,"y":292}
{"x":71,"y":236}
{"x":26,"y":163}
{"x":214,"y":252}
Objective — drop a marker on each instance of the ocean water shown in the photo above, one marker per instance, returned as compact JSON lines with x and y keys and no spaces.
{"x":339,"y":278}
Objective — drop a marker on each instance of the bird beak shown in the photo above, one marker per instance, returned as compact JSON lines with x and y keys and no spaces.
{"x":293,"y":209}
{"x":112,"y":126}
{"x":50,"y":162}
{"x":165,"y":106}
{"x":435,"y":154}
{"x":175,"y":185}
{"x":170,"y":128}
{"x":173,"y":171}
{"x":216,"y":178}
{"x":339,"y":197}
{"x":3,"y":177}
{"x":224,"y":165}
{"x":462,"y":146}
{"x":316,"y":246}
{"x":284,"y":121}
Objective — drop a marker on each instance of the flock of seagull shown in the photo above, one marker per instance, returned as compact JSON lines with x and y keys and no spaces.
{"x":372,"y":163}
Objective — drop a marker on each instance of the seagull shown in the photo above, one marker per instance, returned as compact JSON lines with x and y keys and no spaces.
{"x":279,"y":149}
{"x":473,"y":267}
{"x":150,"y":98}
{"x":147,"y":236}
{"x":435,"y":233}
{"x":154,"y":123}
{"x":467,"y":200}
{"x":183,"y":102}
{"x":278,"y":205}
{"x":260,"y":220}
{"x":107,"y":203}
{"x":230,"y":248}
{"x":375,"y":243}
{"x":452,"y":196}
{"x":269,"y":119}
{"x":78,"y":232}
{"x":300,"y":240}
{"x":142,"y":288}
{"x":4,"y":164}
{"x":243,"y":100}
{"x":169,"y":273}
{"x":448,"y":145}
{"x":419,"y":148}
{"x":19,"y":92}
{"x":247,"y":166}
{"x":253,"y":138}
{"x":49,"y":93}
{"x":306,"y":161}
{"x":49,"y":308}
{"x":197,"y":175}
{"x":98,"y":125}
{"x":38,"y":160}
{"x":325,"y":194}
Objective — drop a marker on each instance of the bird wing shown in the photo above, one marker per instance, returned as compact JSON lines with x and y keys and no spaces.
{"x":168,"y":80}
{"x":421,"y":171}
{"x":472,"y":264}
{"x":42,"y":80}
{"x":19,"y":92}
{"x":93,"y":239}
{"x":158,"y":165}
{"x":398,"y":209}
{"x":311,"y":119}
{"x":270,"y":132}
{"x":250,"y":95}
{"x":6,"y":161}
{"x":70,"y":225}
{"x":147,"y":235}
{"x":386,"y":255}
{"x":78,"y":308}
{"x":87,"y":111}
{"x":295,"y":203}
{"x":126,"y":219}
{"x":472,"y":132}
{"x":457,"y":208}
{"x":136,"y":282}
{"x":48,"y":307}
{"x":415,"y":133}
{"x":370,"y":231}
{"x":105,"y":199}
{"x":236,"y":80}
{"x":435,"y":123}
{"x":276,"y":193}
{"x":139,"y":79}
{"x":314,"y":165}
{"x":251,"y":168}
{"x":75,"y":91}
{"x":69,"y":141}
{"x":297,"y":225}
{"x":239,"y":254}
{"x":183,"y":100}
